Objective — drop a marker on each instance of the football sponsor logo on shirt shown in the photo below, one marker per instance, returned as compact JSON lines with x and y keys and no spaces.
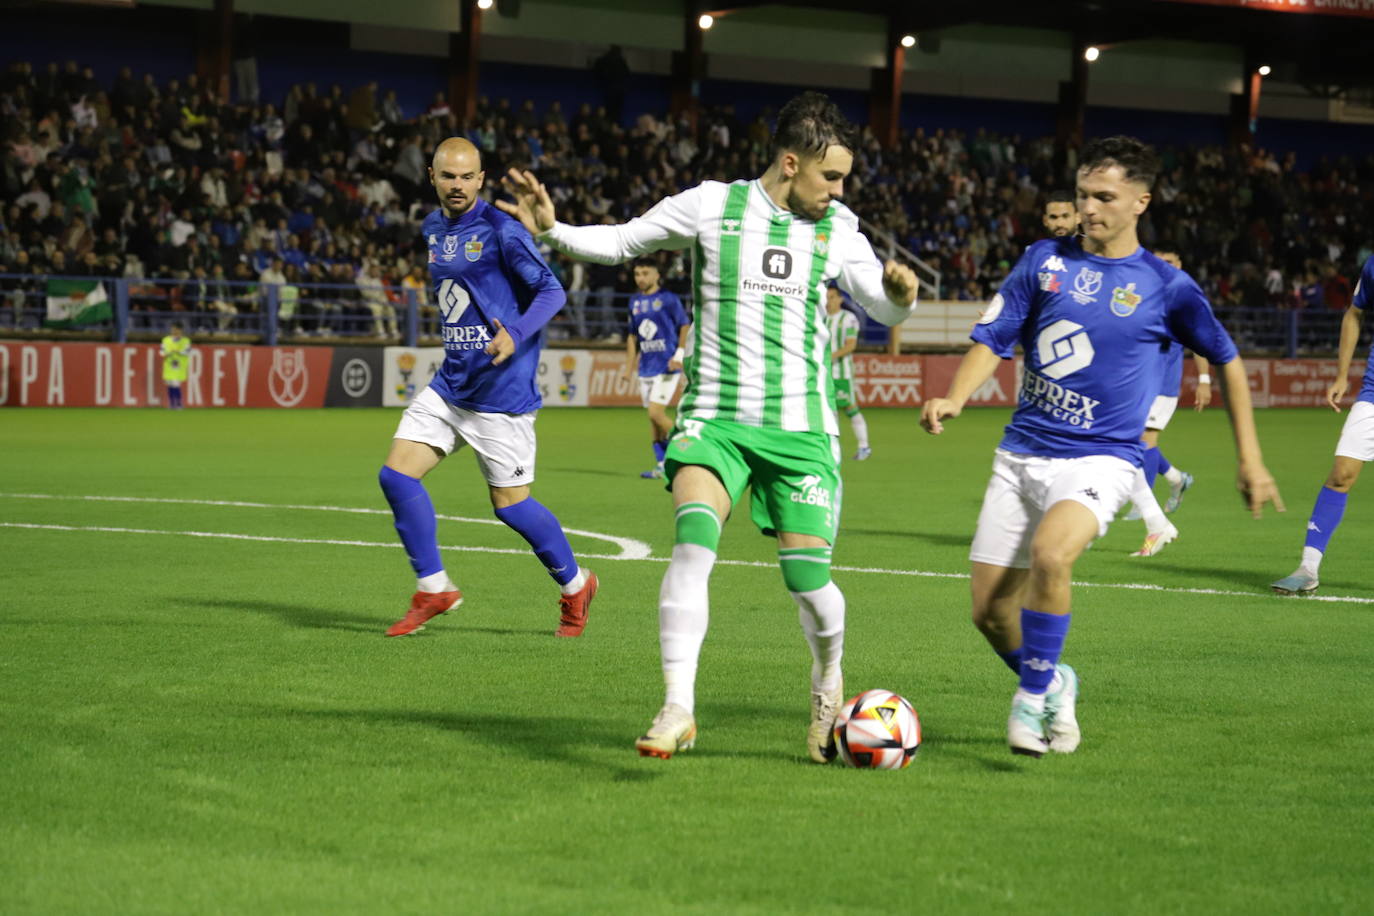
{"x":729,"y":226}
{"x":777,"y":263}
{"x":1087,"y":285}
{"x":1054,"y":262}
{"x":1124,"y":300}
{"x":1050,"y":282}
{"x":1063,"y":348}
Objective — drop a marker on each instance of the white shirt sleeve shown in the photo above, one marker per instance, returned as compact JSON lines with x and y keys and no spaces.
{"x":861,"y":275}
{"x":671,"y":224}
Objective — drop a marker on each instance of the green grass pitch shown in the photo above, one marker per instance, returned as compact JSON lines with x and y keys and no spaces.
{"x":199,"y":724}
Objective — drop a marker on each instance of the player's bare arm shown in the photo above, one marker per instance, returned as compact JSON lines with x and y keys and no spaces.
{"x":675,"y":364}
{"x":977,"y":366}
{"x":1253,"y":480}
{"x":631,"y":357}
{"x":1203,"y":396}
{"x":1350,"y":337}
{"x":533,"y":206}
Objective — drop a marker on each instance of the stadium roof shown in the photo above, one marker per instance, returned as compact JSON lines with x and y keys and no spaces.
{"x":1323,"y":49}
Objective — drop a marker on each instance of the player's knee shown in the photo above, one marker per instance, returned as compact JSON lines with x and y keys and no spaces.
{"x":697,"y":523}
{"x":805,"y":569}
{"x":1343,"y":476}
{"x":1052,"y":559}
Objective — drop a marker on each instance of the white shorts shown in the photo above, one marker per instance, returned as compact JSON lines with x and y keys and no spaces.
{"x":1357,"y":435}
{"x":1024,"y":487}
{"x":502,"y":442}
{"x":658,"y":389}
{"x":1161,"y":412}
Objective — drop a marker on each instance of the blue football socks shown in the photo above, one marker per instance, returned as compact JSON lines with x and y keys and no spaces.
{"x":1151,"y":467}
{"x":660,"y":449}
{"x":415,"y":522}
{"x":1042,"y":640}
{"x":538,"y":525}
{"x":1013,"y":660}
{"x":1326,"y":517}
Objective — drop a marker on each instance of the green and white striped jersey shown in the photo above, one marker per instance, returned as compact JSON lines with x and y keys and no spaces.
{"x":843,"y":327}
{"x":760,"y":346}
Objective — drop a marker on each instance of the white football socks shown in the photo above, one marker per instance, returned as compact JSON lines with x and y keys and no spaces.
{"x":1173,"y":475}
{"x":435,"y":582}
{"x":1144,"y":499}
{"x":860,"y":426}
{"x":575,"y":584}
{"x":683,"y":615}
{"x":1311,"y":560}
{"x":821,"y":613}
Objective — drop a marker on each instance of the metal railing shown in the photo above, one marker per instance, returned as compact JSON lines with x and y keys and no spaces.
{"x":886,"y":243}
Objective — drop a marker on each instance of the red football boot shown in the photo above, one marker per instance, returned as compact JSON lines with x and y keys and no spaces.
{"x":573,"y":608}
{"x":425,"y":606}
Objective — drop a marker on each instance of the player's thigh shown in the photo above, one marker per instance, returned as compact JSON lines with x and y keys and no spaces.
{"x":796,"y":484}
{"x":1009,"y":514}
{"x":504,"y":444}
{"x":1161,"y":412}
{"x":1357,"y":434}
{"x":424,"y":435}
{"x":705,"y":447}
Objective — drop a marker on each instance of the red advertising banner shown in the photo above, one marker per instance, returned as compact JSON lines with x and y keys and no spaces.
{"x":608,"y":386}
{"x":42,"y":374}
{"x":907,"y":380}
{"x":1358,"y":8}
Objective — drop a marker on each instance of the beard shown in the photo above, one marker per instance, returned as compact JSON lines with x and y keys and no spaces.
{"x":805,"y":208}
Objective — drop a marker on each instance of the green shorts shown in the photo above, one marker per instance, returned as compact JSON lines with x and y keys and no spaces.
{"x":844,"y":394}
{"x":795,"y":477}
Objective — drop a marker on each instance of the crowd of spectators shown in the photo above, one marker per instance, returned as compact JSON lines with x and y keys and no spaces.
{"x":322,"y":195}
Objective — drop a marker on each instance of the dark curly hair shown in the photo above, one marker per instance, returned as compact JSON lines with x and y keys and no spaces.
{"x":809,"y":124}
{"x":1136,"y":159}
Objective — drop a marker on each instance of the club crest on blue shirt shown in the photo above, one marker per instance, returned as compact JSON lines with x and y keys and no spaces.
{"x":658,"y":305}
{"x":1124,"y":300}
{"x":472,"y":248}
{"x":450,"y":247}
{"x":1087,"y":285}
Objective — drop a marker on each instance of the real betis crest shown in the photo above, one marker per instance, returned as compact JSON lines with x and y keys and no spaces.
{"x":1124,"y":300}
{"x":822,"y":244}
{"x":472,"y":248}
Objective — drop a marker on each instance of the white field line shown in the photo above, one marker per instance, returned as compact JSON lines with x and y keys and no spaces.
{"x":623,"y":555}
{"x":630,"y":549}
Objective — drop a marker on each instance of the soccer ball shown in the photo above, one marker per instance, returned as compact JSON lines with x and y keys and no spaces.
{"x":877,"y":730}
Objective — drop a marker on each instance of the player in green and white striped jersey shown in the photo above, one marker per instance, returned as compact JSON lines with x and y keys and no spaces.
{"x":844,"y":338}
{"x":757,"y":411}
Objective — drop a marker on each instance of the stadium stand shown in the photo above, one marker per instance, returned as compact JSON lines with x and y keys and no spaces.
{"x":305,"y":207}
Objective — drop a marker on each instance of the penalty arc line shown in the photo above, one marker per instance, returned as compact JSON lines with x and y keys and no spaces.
{"x":872,"y":570}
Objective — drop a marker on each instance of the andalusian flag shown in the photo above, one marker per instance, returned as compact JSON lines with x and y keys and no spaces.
{"x":73,"y":303}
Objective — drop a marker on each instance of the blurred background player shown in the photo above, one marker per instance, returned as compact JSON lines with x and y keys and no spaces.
{"x":757,"y":409}
{"x":1353,"y":449}
{"x":176,"y":359}
{"x":1158,"y":530}
{"x":657,"y":322}
{"x":1068,"y":459}
{"x":495,"y":294}
{"x":1060,"y":216}
{"x":844,"y":338}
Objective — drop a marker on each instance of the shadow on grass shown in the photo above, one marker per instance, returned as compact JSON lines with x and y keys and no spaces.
{"x":557,"y":739}
{"x":929,"y":537}
{"x":315,"y":617}
{"x":309,"y":616}
{"x":598,"y":472}
{"x":1239,"y":579}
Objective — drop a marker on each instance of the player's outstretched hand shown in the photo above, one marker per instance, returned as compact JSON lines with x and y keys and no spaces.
{"x":533,"y":206}
{"x":1257,"y":487}
{"x":1202,"y":397}
{"x":900,"y":283}
{"x":1336,"y":393}
{"x":502,"y":345}
{"x":935,"y":410}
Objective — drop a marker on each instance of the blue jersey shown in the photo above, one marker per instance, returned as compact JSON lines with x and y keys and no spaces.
{"x":485,"y":268}
{"x":1171,"y":379}
{"x":655,"y":320}
{"x":1092,"y":330}
{"x":1364,"y":291}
